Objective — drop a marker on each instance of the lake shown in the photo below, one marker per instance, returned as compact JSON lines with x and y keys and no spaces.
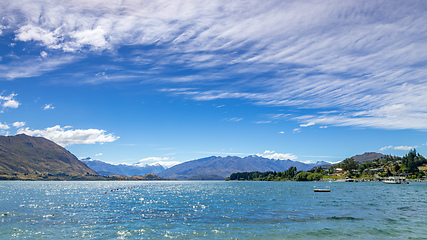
{"x":211,"y":210}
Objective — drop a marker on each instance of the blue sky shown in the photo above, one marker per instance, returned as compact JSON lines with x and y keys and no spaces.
{"x":171,"y":81}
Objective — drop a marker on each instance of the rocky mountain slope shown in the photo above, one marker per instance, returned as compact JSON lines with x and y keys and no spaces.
{"x":368,"y":157}
{"x":25,"y":157}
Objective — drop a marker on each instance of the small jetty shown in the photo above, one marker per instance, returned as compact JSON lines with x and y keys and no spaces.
{"x":327,"y":189}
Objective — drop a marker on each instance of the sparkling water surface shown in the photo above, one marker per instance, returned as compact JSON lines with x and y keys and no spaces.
{"x":211,"y":210}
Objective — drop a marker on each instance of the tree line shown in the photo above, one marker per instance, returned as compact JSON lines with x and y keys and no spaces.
{"x":288,"y":175}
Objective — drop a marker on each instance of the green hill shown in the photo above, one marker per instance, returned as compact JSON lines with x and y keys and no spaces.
{"x":36,"y":158}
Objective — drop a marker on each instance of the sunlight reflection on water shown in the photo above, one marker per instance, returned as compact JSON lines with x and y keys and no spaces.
{"x":210,"y":209}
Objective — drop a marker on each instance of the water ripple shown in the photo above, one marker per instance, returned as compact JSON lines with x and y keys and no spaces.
{"x":199,"y":210}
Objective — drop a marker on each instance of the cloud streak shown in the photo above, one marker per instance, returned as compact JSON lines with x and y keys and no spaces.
{"x":361,"y":59}
{"x":30,"y":66}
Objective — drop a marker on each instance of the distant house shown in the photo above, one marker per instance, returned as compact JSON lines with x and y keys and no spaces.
{"x":375,"y":170}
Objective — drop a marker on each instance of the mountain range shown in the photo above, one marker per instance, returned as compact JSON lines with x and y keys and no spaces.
{"x":36,"y":158}
{"x":218,"y":168}
{"x":108,"y":169}
{"x":209,"y":168}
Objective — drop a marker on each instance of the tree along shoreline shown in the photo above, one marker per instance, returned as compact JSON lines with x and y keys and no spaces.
{"x":412,"y":166}
{"x":64,"y":177}
{"x":289,"y":175}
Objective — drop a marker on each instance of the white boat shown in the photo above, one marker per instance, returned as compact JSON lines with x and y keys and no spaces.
{"x":395,"y":180}
{"x":327,"y":189}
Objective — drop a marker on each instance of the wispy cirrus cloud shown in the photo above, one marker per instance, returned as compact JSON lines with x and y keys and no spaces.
{"x":307,"y":124}
{"x":262,"y":122}
{"x":31,"y":66}
{"x":234,"y":119}
{"x":399,"y":116}
{"x":361,"y":59}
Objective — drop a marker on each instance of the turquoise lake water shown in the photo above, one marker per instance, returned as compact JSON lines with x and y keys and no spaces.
{"x":211,"y":210}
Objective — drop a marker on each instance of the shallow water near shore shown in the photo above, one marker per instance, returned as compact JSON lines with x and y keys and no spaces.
{"x":211,"y":209}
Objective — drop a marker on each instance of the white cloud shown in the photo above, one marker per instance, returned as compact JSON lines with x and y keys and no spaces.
{"x":18,"y":124}
{"x":93,"y":37}
{"x":98,"y":154}
{"x":4,"y":126}
{"x":155,"y":159}
{"x":36,"y":33}
{"x":11,"y":104}
{"x":405,"y":148}
{"x":5,"y":133}
{"x":279,"y":116}
{"x":166,"y":162}
{"x":385,"y":148}
{"x":48,"y":107}
{"x":43,"y":54}
{"x":296,"y":130}
{"x":307,"y":124}
{"x":223,"y":152}
{"x":277,"y":156}
{"x":9,"y":101}
{"x":65,"y":137}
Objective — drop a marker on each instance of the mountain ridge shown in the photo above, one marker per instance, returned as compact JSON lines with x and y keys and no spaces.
{"x":23,"y":155}
{"x":221,"y":167}
{"x":368,"y":156}
{"x":43,"y":159}
{"x":107,"y":169}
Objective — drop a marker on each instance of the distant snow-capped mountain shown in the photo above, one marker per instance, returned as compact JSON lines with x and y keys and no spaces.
{"x":221,"y":167}
{"x":107,"y":169}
